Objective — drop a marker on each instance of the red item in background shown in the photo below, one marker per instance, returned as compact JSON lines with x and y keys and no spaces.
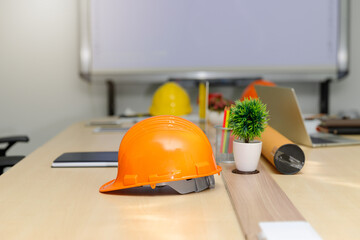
{"x":211,"y":95}
{"x":217,"y":102}
{"x":250,"y":91}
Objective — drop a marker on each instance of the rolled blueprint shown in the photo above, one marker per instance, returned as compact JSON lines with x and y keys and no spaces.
{"x":283,"y":154}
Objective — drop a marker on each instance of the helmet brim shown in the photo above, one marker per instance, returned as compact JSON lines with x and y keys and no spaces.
{"x":114,"y":185}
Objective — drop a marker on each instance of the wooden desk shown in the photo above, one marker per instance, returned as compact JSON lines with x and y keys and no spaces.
{"x":38,"y":202}
{"x":327,"y":190}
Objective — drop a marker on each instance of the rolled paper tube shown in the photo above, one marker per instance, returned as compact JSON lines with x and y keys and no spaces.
{"x":283,"y":154}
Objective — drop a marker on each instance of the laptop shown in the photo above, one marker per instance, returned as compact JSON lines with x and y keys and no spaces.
{"x":286,"y":118}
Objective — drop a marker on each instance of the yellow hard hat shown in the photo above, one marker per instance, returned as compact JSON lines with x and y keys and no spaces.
{"x":170,"y":99}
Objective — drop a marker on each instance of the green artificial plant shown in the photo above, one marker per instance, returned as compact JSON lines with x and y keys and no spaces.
{"x":248,"y":119}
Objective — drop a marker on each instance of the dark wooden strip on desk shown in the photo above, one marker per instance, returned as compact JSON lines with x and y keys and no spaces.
{"x":257,"y":198}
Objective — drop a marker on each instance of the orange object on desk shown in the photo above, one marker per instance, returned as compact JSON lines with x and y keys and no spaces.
{"x":283,"y":154}
{"x":162,"y":149}
{"x":250,"y":91}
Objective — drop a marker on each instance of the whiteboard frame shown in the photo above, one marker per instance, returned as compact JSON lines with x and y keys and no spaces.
{"x":271,"y":73}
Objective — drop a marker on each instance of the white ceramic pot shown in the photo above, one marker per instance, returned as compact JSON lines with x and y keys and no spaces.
{"x":247,"y":155}
{"x":216,"y":117}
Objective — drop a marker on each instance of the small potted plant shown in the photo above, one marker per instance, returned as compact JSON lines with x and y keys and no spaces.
{"x":217,"y":104}
{"x":248,"y":119}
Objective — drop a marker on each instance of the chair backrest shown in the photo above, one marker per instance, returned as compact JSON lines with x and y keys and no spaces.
{"x":9,"y":161}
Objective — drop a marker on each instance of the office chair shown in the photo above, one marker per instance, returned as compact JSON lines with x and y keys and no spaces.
{"x":9,"y":161}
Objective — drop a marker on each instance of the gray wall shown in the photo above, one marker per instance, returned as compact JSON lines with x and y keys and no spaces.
{"x":41,"y":93}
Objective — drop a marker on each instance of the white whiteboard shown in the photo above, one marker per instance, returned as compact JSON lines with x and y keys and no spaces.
{"x":153,"y":40}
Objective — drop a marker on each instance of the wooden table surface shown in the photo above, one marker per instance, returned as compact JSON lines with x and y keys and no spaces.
{"x":327,"y":190}
{"x":40,"y":202}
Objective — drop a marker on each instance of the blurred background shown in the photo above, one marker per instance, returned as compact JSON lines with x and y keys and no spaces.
{"x":41,"y":92}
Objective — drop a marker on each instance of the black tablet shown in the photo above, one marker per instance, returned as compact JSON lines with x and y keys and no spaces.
{"x":86,"y":159}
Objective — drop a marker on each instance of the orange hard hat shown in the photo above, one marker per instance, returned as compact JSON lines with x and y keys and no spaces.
{"x":165,"y":150}
{"x":250,"y":91}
